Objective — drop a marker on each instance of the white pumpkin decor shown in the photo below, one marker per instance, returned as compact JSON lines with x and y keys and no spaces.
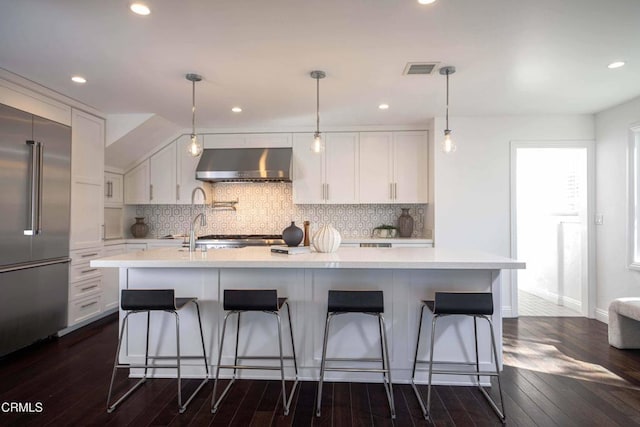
{"x":326,"y":239}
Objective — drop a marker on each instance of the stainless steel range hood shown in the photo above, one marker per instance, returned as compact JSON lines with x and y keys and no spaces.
{"x":244,"y":164}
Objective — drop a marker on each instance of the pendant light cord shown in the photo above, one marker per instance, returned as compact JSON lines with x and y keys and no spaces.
{"x":193,"y":108}
{"x":317,"y":105}
{"x":448,"y":100}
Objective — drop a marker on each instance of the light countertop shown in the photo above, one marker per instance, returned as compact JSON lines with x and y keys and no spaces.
{"x":261,"y":257}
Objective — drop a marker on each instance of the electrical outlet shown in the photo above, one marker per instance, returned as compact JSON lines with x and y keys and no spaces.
{"x":599,"y":219}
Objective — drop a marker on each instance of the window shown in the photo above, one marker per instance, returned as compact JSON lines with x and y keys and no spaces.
{"x":634,"y":198}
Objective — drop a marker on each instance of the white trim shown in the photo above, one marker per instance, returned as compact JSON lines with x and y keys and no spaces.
{"x":86,"y":322}
{"x":588,"y":290}
{"x":602,"y":315}
{"x":633,"y":162}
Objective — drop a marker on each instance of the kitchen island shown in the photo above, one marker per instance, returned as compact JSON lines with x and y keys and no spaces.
{"x":406,"y":275}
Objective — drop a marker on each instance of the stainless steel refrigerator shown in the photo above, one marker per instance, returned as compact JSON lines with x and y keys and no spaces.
{"x":35,"y":187}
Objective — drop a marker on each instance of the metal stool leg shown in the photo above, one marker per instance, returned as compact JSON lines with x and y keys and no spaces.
{"x":214,"y":403}
{"x":433,"y":336}
{"x":415,"y":363}
{"x":285,"y":403}
{"x":293,"y":346}
{"x":180,"y":406}
{"x":385,"y":363}
{"x":501,"y":414}
{"x":323,"y":362}
{"x":204,"y":351}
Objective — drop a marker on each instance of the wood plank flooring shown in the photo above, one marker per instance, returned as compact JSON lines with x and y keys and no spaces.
{"x":558,"y":372}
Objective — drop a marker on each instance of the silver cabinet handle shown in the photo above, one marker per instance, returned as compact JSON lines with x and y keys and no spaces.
{"x":177,"y":191}
{"x":88,"y":305}
{"x":327,"y":191}
{"x":391,"y":191}
{"x":89,"y":270}
{"x":110,"y":189}
{"x":322,"y":197}
{"x":88,"y":255}
{"x":151,"y":192}
{"x":86,"y":288}
{"x":104,"y":232}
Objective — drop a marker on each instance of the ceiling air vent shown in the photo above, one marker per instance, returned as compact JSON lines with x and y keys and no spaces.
{"x":420,"y":68}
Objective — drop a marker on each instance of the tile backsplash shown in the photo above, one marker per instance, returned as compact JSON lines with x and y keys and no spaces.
{"x":267,"y":208}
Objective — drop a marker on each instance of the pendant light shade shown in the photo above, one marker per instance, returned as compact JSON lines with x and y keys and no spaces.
{"x":195,"y":146}
{"x":448,"y":145}
{"x":317,"y":146}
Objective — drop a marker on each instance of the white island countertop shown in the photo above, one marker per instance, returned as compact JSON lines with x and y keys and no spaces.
{"x":348,"y":258}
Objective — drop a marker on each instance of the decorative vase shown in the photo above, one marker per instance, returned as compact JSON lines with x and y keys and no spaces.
{"x":405,"y":223}
{"x":326,"y":239}
{"x":139,"y":229}
{"x":292,"y":235}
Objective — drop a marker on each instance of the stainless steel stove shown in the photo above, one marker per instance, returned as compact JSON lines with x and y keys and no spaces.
{"x":214,"y":241}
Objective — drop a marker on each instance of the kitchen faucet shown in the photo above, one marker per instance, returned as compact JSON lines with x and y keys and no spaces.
{"x":201,"y":215}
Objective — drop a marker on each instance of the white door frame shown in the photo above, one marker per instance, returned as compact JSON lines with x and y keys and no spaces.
{"x":588,"y":290}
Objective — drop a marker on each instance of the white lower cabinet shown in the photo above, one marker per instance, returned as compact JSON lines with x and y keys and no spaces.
{"x":110,"y":278}
{"x":85,"y":286}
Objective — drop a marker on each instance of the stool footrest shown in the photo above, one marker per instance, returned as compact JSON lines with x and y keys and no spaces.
{"x":265,"y":357}
{"x":380,"y":371}
{"x":257,"y":367}
{"x":352,"y":359}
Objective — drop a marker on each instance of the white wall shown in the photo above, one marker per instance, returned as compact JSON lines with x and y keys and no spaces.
{"x":612,"y":135}
{"x":472,"y":185}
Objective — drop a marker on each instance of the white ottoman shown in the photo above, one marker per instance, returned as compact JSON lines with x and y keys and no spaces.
{"x":624,"y":323}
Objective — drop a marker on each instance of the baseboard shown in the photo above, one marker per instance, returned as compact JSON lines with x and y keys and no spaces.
{"x":77,"y":326}
{"x":602,"y":315}
{"x":554,"y":298}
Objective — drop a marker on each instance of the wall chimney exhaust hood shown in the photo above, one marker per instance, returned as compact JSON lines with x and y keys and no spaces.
{"x":245,"y":165}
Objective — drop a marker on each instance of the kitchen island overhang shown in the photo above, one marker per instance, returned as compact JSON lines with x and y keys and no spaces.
{"x":406,"y":275}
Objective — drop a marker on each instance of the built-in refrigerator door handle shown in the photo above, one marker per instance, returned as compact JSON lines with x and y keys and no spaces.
{"x":34,"y":183}
{"x":40,"y":151}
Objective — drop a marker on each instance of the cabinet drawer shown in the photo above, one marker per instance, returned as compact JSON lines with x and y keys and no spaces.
{"x":83,"y":271}
{"x":85,"y":255}
{"x":84,"y":309}
{"x":85,"y":288}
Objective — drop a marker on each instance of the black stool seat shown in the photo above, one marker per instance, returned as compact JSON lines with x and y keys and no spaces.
{"x":469,"y":303}
{"x":355,"y":302}
{"x":252,"y":300}
{"x":152,"y":300}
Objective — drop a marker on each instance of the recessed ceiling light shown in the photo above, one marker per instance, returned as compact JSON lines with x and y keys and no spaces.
{"x":236,"y":110}
{"x":140,"y":8}
{"x":426,"y":1}
{"x":616,"y":64}
{"x":78,"y":79}
{"x":383,"y":106}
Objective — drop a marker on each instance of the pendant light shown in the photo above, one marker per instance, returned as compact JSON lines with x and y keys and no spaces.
{"x":448,"y":146}
{"x":195,"y":147}
{"x":318,"y":144}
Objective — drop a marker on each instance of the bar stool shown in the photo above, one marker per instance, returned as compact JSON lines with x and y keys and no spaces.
{"x":145,"y":301}
{"x":365,"y":302}
{"x":238,"y":301}
{"x":477,"y":305}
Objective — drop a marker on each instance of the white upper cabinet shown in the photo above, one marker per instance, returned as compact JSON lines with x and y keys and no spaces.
{"x":162,"y":176}
{"x":327,"y":177}
{"x":87,"y":149}
{"x":247,"y":140}
{"x":87,"y":180}
{"x":186,"y":175}
{"x":136,"y":185}
{"x":410,"y":167}
{"x":113,"y":189}
{"x":376,"y":167}
{"x":393,"y":167}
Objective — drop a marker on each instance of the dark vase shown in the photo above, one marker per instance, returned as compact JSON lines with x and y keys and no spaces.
{"x":139,"y":229}
{"x":292,"y":235}
{"x":405,"y":223}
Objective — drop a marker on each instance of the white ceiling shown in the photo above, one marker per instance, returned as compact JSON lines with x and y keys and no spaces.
{"x":512,"y":57}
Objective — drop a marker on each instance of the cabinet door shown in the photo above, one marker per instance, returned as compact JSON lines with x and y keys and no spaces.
{"x":162,"y":176}
{"x":186,"y":175}
{"x":110,"y":279}
{"x":113,"y":189}
{"x":376,"y":162}
{"x":87,"y":148}
{"x":136,"y":185}
{"x":341,"y":167}
{"x":87,"y":215}
{"x":410,"y":167}
{"x":308,"y":184}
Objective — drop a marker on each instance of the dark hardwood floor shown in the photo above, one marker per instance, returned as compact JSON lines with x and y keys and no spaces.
{"x":558,"y":371}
